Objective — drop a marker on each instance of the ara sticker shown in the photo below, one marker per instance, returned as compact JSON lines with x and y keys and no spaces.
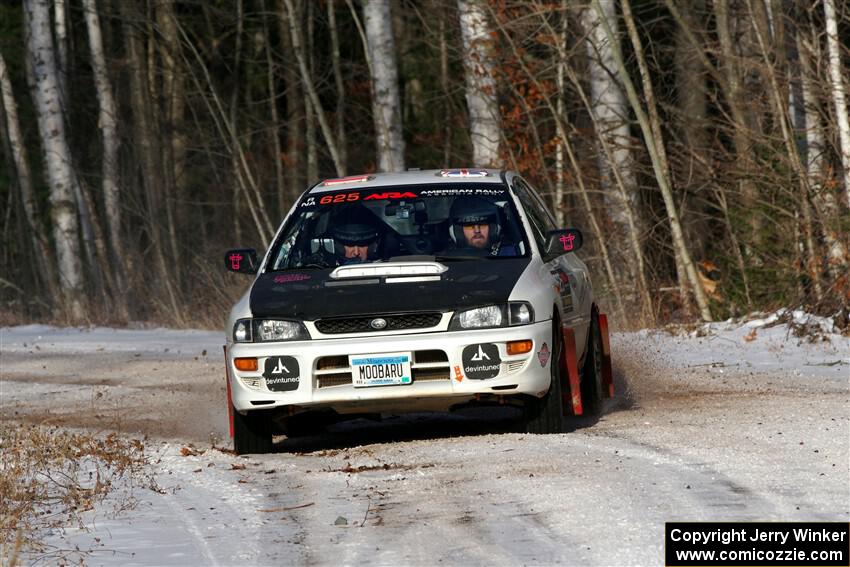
{"x":281,"y":373}
{"x":310,"y":202}
{"x":390,"y":195}
{"x":286,"y":278}
{"x":481,"y":361}
{"x":543,"y":355}
{"x":458,"y":374}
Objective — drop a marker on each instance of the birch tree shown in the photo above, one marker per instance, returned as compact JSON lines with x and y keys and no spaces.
{"x":651,"y":128}
{"x":111,"y":143}
{"x":294,"y":113}
{"x":386,"y":108}
{"x":839,"y":98}
{"x":479,"y":67}
{"x":825,"y":201}
{"x":57,"y":155}
{"x":309,"y":86}
{"x":41,"y":247}
{"x":340,"y":85}
{"x":610,"y":110}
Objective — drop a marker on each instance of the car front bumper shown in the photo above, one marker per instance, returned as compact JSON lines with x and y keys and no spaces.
{"x":439,"y":380}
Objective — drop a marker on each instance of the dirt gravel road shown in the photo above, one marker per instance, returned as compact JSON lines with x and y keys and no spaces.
{"x":681,"y":442}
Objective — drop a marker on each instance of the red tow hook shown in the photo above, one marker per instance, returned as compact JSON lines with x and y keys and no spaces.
{"x":571,"y":391}
{"x":607,"y":369}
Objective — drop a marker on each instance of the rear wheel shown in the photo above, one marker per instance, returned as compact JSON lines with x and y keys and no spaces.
{"x":591,"y":372}
{"x":252,"y":432}
{"x":546,"y":414}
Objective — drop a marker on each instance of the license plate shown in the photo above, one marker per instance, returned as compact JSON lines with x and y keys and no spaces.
{"x":388,"y":369}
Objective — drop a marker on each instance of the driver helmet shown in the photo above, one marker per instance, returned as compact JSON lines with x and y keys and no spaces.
{"x":473,"y":210}
{"x":355,"y":229}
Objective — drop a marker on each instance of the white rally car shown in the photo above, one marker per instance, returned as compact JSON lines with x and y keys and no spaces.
{"x":416,"y":291}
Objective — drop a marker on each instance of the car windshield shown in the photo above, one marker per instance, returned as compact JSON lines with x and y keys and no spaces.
{"x":452,"y":222}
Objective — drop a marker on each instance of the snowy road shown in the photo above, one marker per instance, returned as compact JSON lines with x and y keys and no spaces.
{"x":742,"y":423}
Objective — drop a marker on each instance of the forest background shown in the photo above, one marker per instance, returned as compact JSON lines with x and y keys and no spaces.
{"x":702,"y":146}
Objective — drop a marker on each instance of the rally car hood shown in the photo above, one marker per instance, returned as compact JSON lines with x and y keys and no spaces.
{"x":313,"y":294}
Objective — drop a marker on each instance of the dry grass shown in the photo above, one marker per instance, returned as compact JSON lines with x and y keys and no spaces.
{"x":50,"y":477}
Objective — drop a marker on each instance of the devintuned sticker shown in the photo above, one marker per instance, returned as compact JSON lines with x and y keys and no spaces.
{"x":543,"y":355}
{"x":281,"y":373}
{"x":481,"y":361}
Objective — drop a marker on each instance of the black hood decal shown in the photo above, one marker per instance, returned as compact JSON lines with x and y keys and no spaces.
{"x":311,"y":295}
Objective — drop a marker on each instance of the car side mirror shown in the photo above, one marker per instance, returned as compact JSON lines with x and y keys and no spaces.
{"x":241,"y":260}
{"x":560,"y":242}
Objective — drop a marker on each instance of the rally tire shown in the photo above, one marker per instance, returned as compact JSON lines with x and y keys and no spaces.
{"x":252,"y":433}
{"x":546,"y":415}
{"x":591,"y":372}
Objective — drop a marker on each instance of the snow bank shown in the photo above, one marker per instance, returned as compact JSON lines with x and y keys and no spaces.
{"x":784,"y":341}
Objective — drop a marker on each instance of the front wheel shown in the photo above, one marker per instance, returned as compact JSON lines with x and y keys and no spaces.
{"x":252,"y":432}
{"x":546,"y":414}
{"x":591,"y":372}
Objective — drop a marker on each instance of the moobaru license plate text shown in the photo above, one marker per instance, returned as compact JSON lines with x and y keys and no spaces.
{"x":381,"y":369}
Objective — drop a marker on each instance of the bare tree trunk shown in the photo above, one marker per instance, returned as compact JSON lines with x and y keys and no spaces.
{"x":93,"y":244}
{"x":342,"y":139}
{"x":294,"y":112}
{"x":611,"y":113}
{"x":244,"y":177}
{"x":57,"y":155}
{"x":386,"y":108}
{"x":111,"y":143}
{"x":651,"y":128}
{"x":838,"y":90}
{"x":60,"y":25}
{"x":446,"y":92}
{"x":638,"y":270}
{"x":780,"y":113}
{"x":560,"y":217}
{"x":310,"y":134}
{"x":44,"y":259}
{"x":146,"y":146}
{"x":824,"y":199}
{"x":742,"y":121}
{"x":173,"y":96}
{"x":479,"y":64}
{"x":301,"y":56}
{"x":691,"y":89}
{"x":579,"y":177}
{"x":274,"y":134}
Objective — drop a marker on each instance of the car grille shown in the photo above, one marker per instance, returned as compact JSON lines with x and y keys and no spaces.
{"x":394,"y":323}
{"x":427,"y":365}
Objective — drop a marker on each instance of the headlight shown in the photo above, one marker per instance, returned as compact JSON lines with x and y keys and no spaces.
{"x":267,"y":330}
{"x":490,"y":316}
{"x":504,"y":315}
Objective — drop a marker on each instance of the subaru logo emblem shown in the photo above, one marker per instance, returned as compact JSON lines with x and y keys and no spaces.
{"x":378,"y":323}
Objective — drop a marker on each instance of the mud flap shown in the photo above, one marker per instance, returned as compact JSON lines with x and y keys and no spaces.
{"x":571,"y":391}
{"x":229,"y":395}
{"x":607,"y":372}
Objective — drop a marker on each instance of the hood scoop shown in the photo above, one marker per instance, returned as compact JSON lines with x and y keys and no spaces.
{"x":394,"y":272}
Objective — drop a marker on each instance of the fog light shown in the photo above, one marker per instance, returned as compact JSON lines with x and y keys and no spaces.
{"x":519,"y":347}
{"x":246,"y":364}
